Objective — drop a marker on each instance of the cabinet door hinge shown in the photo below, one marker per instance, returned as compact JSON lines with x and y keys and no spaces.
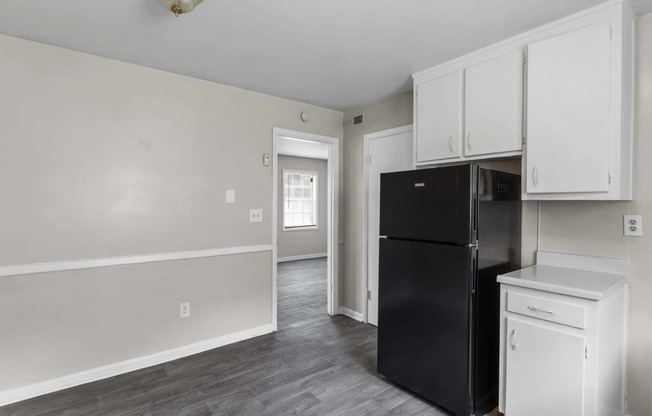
{"x":368,"y":159}
{"x":586,"y":352}
{"x":368,"y":294}
{"x":524,"y":141}
{"x":524,"y":59}
{"x":609,"y":177}
{"x":611,"y":32}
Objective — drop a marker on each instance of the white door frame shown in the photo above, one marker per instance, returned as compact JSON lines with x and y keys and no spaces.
{"x":365,"y":209}
{"x":332,"y":215}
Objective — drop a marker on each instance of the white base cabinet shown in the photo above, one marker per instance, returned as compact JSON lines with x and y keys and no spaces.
{"x":545,"y":370}
{"x":560,"y":354}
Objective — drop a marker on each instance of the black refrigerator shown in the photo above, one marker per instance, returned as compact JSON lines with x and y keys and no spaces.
{"x":446,"y":233}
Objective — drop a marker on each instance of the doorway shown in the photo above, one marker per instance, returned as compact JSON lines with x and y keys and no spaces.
{"x":305,"y":145}
{"x":384,"y":151}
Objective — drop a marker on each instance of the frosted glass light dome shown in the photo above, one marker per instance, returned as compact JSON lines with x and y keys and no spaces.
{"x":180,"y":6}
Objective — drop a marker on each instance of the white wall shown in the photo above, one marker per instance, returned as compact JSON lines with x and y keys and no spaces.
{"x":100,"y":158}
{"x":296,"y":243}
{"x":386,"y":114}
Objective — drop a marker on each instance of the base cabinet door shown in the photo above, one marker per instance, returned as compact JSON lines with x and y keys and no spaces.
{"x":544,"y":371}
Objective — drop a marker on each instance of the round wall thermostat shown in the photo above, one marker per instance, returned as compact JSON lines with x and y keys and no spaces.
{"x":305,"y":116}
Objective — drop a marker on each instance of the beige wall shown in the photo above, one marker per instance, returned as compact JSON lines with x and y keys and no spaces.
{"x":304,"y":242}
{"x":100,"y":158}
{"x":640,"y":249}
{"x":386,"y":114}
{"x":61,"y":323}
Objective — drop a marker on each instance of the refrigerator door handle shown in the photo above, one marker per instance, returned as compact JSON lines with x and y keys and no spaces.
{"x":384,"y":237}
{"x":474,"y":275}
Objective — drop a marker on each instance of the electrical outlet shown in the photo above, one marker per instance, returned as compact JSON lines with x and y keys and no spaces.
{"x":184,"y":310}
{"x":633,"y":225}
{"x":256,"y":215}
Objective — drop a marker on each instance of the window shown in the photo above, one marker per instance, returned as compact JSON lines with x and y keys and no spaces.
{"x":299,"y":200}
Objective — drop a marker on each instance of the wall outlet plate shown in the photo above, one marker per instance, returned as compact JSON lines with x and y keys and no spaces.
{"x":256,"y":215}
{"x":633,"y":225}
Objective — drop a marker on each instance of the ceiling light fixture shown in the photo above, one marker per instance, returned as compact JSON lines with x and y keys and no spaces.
{"x":180,"y":6}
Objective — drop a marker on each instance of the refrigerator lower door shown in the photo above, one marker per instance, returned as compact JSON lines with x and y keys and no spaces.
{"x":424,"y":322}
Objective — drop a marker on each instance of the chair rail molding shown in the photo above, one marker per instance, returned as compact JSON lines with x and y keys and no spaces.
{"x":57,"y":266}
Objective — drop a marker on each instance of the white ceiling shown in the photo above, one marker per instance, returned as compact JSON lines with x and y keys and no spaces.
{"x":339,"y":54}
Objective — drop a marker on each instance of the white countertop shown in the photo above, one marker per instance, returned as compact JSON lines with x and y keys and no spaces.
{"x":572,"y":281}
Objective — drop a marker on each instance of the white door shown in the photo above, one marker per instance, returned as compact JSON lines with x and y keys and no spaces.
{"x":544,"y":372}
{"x":438,"y":118}
{"x":387,"y":151}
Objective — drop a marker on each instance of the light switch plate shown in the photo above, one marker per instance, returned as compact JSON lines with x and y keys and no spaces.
{"x":256,"y":215}
{"x":230,"y":196}
{"x":184,"y":310}
{"x":633,"y":225}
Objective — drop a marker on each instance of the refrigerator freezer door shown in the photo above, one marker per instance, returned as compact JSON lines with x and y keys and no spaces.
{"x":429,"y":204}
{"x":424,"y":331}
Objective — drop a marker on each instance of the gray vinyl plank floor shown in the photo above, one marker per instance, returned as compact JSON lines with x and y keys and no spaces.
{"x":315,"y":364}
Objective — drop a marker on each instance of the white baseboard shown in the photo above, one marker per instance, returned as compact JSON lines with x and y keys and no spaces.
{"x":302,"y":257}
{"x":95,"y":374}
{"x":350,"y":313}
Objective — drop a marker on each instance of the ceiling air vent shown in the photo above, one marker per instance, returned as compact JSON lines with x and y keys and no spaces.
{"x":354,"y":121}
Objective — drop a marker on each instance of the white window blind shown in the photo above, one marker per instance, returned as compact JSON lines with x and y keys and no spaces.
{"x":299,"y":199}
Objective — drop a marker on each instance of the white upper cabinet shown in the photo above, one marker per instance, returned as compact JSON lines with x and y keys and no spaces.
{"x":471,"y":113}
{"x":438,"y":108}
{"x":493,"y":109}
{"x":579,"y":110}
{"x":568,"y":112}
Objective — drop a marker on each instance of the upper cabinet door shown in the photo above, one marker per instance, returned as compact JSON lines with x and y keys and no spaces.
{"x":438,"y":121}
{"x":568,"y":117}
{"x":494,"y":106}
